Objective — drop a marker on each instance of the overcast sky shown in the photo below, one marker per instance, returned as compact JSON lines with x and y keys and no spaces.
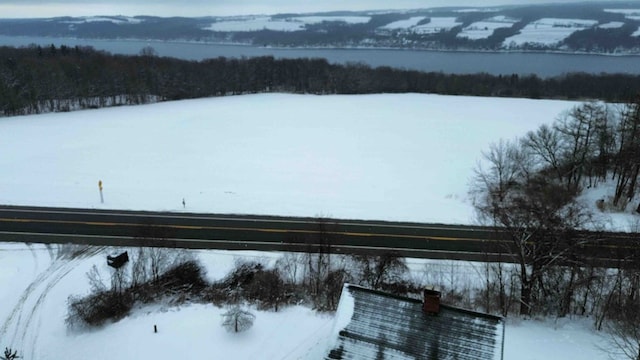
{"x":47,"y":8}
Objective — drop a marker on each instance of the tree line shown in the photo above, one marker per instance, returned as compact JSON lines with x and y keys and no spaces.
{"x":39,"y":79}
{"x":530,"y":189}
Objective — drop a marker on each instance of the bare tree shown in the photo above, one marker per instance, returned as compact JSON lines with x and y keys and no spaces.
{"x":237,"y":319}
{"x":148,"y":51}
{"x":500,"y":282}
{"x":577,"y":130}
{"x":150,"y":260}
{"x":628,"y":158}
{"x":375,"y":271}
{"x":625,"y":332}
{"x":506,"y":163}
{"x":289,"y":266}
{"x":96,"y":282}
{"x":537,"y":215}
{"x":318,"y":262}
{"x":333,"y":286}
{"x":545,"y":146}
{"x":267,"y":287}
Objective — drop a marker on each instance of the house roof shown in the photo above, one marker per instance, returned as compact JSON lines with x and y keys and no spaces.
{"x":375,"y":325}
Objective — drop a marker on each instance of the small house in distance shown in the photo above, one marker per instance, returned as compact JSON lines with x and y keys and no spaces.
{"x":375,"y":325}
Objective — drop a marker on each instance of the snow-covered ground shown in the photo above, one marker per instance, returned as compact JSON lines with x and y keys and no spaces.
{"x":403,"y":24}
{"x":320,"y":19}
{"x":256,"y":24}
{"x":611,"y":25}
{"x":482,"y":9}
{"x":436,"y":25}
{"x":112,"y":19}
{"x":632,"y":14}
{"x":484,"y":29}
{"x":548,"y":31}
{"x":32,"y":318}
{"x":396,"y":157}
{"x":391,"y":157}
{"x":295,"y":23}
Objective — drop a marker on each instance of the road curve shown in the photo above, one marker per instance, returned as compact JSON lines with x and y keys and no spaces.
{"x":270,"y":233}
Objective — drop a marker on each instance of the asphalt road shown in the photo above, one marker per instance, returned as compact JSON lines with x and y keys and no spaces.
{"x":248,"y":232}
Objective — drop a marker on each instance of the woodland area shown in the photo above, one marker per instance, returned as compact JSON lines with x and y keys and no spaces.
{"x":50,"y":79}
{"x":529,"y":188}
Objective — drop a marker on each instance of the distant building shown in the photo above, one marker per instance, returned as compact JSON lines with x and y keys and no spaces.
{"x":375,"y":325}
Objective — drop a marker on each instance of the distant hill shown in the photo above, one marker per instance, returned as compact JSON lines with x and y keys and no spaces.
{"x":604,"y":28}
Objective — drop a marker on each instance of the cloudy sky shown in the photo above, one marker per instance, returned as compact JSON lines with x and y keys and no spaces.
{"x":48,"y":8}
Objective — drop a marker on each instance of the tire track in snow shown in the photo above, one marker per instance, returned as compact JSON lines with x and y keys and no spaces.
{"x":17,"y":310}
{"x":21,"y":323}
{"x":311,"y":341}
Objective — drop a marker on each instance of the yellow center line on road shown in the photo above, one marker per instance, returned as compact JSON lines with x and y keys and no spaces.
{"x":265,"y":230}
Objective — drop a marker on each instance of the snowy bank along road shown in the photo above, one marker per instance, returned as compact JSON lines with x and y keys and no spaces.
{"x":249,"y":232}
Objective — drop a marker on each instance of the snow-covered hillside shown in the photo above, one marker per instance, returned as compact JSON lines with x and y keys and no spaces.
{"x":396,"y":157}
{"x":548,"y":31}
{"x":484,"y":29}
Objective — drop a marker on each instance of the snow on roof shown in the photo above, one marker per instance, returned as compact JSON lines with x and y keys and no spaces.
{"x":393,"y":327}
{"x":548,"y":31}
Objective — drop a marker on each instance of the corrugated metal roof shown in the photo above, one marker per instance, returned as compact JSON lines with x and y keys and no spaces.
{"x":384,"y":326}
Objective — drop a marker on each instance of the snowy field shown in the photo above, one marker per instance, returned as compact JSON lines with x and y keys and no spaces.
{"x":611,"y":25}
{"x":548,"y":31}
{"x":484,"y":29}
{"x":389,"y":157}
{"x":321,"y":19}
{"x":111,"y":19}
{"x":403,"y":24}
{"x":633,"y":14}
{"x":436,"y":25}
{"x":256,"y":24}
{"x":395,"y":157}
{"x":280,"y":24}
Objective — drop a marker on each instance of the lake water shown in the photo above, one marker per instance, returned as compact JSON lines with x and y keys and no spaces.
{"x":541,"y":64}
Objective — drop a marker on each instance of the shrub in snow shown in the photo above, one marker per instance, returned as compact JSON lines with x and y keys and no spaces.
{"x":8,"y":355}
{"x":97,"y":308}
{"x":237,"y":319}
{"x":182,"y":282}
{"x":376,"y":271}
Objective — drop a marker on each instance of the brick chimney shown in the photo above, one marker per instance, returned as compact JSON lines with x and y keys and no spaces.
{"x":431,"y":303}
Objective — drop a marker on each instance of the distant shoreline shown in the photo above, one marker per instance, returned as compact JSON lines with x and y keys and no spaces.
{"x":381,"y":48}
{"x":447,"y":61}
